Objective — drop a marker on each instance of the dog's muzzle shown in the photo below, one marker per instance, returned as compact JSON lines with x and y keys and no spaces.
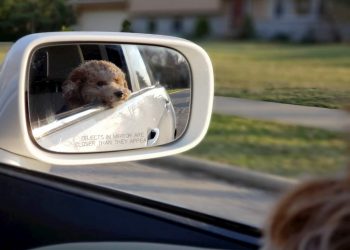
{"x":119,"y":93}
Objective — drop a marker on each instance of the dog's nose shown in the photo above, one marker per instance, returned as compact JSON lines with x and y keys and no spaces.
{"x":118,"y":93}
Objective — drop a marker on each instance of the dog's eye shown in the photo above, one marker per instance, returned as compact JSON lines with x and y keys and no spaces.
{"x":101,"y":83}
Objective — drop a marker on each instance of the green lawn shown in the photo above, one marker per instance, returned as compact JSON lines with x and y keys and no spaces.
{"x":4,"y":47}
{"x":273,"y":148}
{"x":317,"y":75}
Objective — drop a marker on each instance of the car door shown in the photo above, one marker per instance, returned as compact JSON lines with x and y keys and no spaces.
{"x":161,"y":114}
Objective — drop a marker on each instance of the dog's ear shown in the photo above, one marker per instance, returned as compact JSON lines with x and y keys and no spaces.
{"x":126,"y":84}
{"x":71,"y":87}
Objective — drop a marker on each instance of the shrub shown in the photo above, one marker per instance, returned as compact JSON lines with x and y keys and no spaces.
{"x":126,"y":26}
{"x":248,"y":29}
{"x":202,"y":28}
{"x":309,"y":37}
{"x":281,"y":37}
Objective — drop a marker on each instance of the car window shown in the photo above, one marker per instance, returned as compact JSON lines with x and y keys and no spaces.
{"x":139,"y":68}
{"x":111,"y":52}
{"x":115,"y":54}
{"x":49,"y":69}
{"x":278,"y":118}
{"x":91,"y":52}
{"x":167,"y":67}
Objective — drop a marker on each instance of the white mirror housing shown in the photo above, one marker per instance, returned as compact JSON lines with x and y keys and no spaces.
{"x":16,"y":140}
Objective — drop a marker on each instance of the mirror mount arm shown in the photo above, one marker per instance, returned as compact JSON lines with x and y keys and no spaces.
{"x":23,"y":162}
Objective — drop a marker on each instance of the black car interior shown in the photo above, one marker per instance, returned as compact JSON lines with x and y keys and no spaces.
{"x":39,"y":209}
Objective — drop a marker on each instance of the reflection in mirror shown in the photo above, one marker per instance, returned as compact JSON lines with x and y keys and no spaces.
{"x":106,"y":97}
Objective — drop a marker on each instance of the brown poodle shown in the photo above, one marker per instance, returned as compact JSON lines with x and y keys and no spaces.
{"x":95,"y":81}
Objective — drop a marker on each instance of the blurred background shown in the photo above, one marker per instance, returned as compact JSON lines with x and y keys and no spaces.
{"x":303,"y":21}
{"x":282,"y":70}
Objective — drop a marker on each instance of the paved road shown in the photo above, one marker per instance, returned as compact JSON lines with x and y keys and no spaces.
{"x":181,"y":101}
{"x":195,"y":192}
{"x":329,"y":119}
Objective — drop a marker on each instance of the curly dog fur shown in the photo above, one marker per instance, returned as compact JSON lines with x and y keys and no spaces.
{"x":95,"y":81}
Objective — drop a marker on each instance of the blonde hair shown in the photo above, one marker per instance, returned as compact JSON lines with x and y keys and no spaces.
{"x":315,"y":216}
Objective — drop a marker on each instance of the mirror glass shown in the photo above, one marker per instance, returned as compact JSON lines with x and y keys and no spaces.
{"x":88,"y":97}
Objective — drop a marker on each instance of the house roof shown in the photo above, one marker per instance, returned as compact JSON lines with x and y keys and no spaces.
{"x":94,"y":5}
{"x":155,"y":7}
{"x":179,"y":7}
{"x":77,"y":2}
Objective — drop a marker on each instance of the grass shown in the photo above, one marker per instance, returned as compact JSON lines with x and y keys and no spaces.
{"x":285,"y":150}
{"x":4,"y":47}
{"x":173,"y":91}
{"x":315,"y":75}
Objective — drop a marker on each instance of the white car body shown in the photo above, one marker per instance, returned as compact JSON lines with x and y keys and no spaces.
{"x":98,"y":129}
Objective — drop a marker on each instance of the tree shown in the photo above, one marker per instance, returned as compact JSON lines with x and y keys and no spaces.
{"x":202,"y":28}
{"x":247,"y":30}
{"x":126,"y":26}
{"x":22,"y":17}
{"x":335,"y":13}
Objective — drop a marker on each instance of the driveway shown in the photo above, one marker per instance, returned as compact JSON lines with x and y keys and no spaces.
{"x":186,"y":189}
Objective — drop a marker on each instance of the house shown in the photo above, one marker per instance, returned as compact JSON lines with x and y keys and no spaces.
{"x":180,"y":17}
{"x":296,"y":19}
{"x":289,"y":19}
{"x":100,"y":15}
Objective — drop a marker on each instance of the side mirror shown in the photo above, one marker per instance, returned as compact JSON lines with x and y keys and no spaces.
{"x":107,"y":97}
{"x":73,"y":98}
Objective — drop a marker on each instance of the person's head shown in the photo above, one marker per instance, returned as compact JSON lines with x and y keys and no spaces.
{"x":314,"y":216}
